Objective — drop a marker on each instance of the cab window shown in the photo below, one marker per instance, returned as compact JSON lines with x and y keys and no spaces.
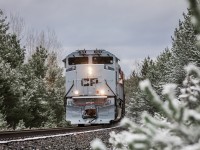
{"x":77,"y":60}
{"x":102,"y":60}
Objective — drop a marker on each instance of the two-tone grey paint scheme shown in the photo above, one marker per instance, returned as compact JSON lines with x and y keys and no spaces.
{"x":94,"y":87}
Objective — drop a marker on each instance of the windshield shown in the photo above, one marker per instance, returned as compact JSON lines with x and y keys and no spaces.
{"x":102,"y":60}
{"x":77,"y":60}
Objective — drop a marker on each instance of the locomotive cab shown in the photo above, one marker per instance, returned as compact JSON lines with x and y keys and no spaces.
{"x":94,"y":87}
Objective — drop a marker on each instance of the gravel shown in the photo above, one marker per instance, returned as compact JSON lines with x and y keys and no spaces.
{"x":76,"y":141}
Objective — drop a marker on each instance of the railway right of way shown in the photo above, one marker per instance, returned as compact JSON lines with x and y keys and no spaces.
{"x":77,"y":138}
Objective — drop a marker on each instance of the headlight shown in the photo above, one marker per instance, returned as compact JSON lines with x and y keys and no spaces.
{"x":90,"y":71}
{"x":76,"y":92}
{"x":102,"y":92}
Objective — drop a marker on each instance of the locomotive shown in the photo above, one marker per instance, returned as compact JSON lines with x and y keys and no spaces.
{"x":94,"y":88}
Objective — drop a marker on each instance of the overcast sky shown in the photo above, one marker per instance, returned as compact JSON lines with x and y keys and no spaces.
{"x":131,"y":29}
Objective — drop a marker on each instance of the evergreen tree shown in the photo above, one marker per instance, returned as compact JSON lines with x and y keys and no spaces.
{"x":168,"y":67}
{"x":36,"y":107}
{"x":160,"y":69}
{"x":37,"y":62}
{"x":55,"y":88}
{"x":32,"y":92}
{"x":10,"y":49}
{"x":131,"y":89}
{"x":146,"y":67}
{"x":3,"y":123}
{"x":138,"y":101}
{"x":177,"y":129}
{"x":11,"y":59}
{"x":36,"y":96}
{"x":20,"y":125}
{"x":11,"y":91}
{"x":184,"y":50}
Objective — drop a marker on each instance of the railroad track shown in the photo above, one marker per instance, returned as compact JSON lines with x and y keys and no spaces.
{"x":14,"y":135}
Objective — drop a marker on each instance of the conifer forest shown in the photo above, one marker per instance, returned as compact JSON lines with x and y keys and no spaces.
{"x":162,"y":95}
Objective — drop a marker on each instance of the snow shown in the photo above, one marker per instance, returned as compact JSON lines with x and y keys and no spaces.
{"x":167,"y":137}
{"x":192,"y":147}
{"x":192,"y":68}
{"x":169,"y":88}
{"x":144,"y":84}
{"x":192,"y":113}
{"x":126,"y":138}
{"x":194,"y":20}
{"x":98,"y":144}
{"x":125,"y":121}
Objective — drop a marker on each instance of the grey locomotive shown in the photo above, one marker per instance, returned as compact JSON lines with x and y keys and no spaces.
{"x":94,"y":88}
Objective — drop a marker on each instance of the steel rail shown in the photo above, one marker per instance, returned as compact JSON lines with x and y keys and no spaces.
{"x":12,"y":135}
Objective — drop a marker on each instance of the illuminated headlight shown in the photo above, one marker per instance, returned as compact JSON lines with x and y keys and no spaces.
{"x":102,"y":92}
{"x":90,"y":71}
{"x":76,"y":92}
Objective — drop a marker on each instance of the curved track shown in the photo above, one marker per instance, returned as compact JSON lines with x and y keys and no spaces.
{"x":14,"y":135}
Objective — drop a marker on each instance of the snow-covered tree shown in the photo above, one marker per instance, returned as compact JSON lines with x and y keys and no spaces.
{"x":11,"y":60}
{"x":54,"y":81}
{"x":176,"y":128}
{"x":10,"y":49}
{"x":20,"y":125}
{"x":11,"y":90}
{"x":168,"y":66}
{"x":35,"y":97}
{"x":37,"y":62}
{"x":184,"y":50}
{"x":31,"y":91}
{"x":137,"y":100}
{"x":3,"y":123}
{"x":131,"y":88}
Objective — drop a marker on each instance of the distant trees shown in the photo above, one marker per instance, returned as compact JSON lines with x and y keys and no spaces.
{"x":175,"y":128}
{"x":10,"y":49}
{"x":184,"y":50}
{"x":3,"y":123}
{"x":11,"y":60}
{"x":54,"y":81}
{"x":168,"y":67}
{"x":177,"y":120}
{"x":31,"y":92}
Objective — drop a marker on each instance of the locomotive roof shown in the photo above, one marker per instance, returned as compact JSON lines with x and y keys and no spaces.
{"x":84,"y":52}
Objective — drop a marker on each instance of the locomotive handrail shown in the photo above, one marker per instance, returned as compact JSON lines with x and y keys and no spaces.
{"x":69,"y":89}
{"x":109,"y":87}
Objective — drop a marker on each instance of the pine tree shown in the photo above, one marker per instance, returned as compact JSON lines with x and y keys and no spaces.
{"x":138,"y":101}
{"x":179,"y":129}
{"x":36,"y":96}
{"x":160,"y":69}
{"x":30,"y":91}
{"x":3,"y":123}
{"x":37,"y":62}
{"x":20,"y":125}
{"x":184,"y":50}
{"x":133,"y":106}
{"x":146,"y":67}
{"x":55,"y":88}
{"x":11,"y":91}
{"x":168,"y":67}
{"x":10,"y":49}
{"x":11,"y":60}
{"x":176,"y":129}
